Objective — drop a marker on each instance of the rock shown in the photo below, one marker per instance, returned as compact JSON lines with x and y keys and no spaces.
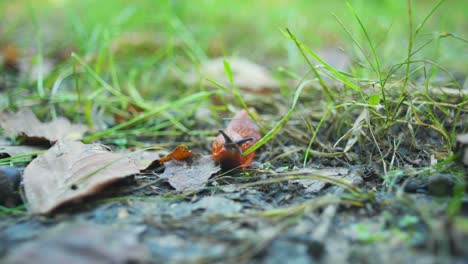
{"x":10,"y":179}
{"x":440,"y":185}
{"x":415,"y":185}
{"x":462,"y":149}
{"x":82,"y":243}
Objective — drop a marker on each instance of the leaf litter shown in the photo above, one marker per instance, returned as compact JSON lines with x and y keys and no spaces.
{"x":71,"y":170}
{"x":189,"y":176}
{"x":25,"y":124}
{"x":12,"y":151}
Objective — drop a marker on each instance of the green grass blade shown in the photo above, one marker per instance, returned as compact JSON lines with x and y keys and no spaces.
{"x":280,"y":124}
{"x":421,"y":25}
{"x":356,"y":43}
{"x":103,"y":83}
{"x":309,"y":146}
{"x":371,"y":45}
{"x":148,"y":114}
{"x":312,"y":67}
{"x":327,"y":66}
{"x":410,"y":45}
{"x":235,"y":91}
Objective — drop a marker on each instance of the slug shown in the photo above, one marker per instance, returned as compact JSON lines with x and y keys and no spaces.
{"x":240,"y":134}
{"x":181,"y":152}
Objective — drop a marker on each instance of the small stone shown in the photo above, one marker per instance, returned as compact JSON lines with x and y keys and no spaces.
{"x":316,"y":249}
{"x":462,"y":149}
{"x":440,"y":185}
{"x":10,"y":179}
{"x":415,"y":185}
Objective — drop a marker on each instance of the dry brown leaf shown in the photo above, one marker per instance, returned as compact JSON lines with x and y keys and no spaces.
{"x":10,"y":57}
{"x":247,"y":75}
{"x":11,"y":151}
{"x":189,"y":177}
{"x":357,"y":130}
{"x":71,"y":170}
{"x":80,"y":244}
{"x":25,"y":124}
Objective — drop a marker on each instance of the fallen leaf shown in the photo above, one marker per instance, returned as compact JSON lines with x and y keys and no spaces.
{"x":25,"y":124}
{"x":71,"y":170}
{"x":247,"y":75}
{"x":189,"y":177}
{"x":12,"y":151}
{"x":82,"y":243}
{"x":129,"y":113}
{"x":10,"y":57}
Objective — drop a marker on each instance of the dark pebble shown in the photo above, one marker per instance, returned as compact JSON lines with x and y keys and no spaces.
{"x":10,"y":179}
{"x":316,"y":249}
{"x":415,"y":185}
{"x":440,"y":185}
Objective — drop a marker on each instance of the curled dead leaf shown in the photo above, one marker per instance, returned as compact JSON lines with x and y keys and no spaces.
{"x":26,"y":125}
{"x":71,"y":170}
{"x":11,"y":151}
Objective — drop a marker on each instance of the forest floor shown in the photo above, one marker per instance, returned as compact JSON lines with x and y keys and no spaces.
{"x":363,"y":153}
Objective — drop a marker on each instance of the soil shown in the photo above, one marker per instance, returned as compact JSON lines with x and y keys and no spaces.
{"x":222,"y":225}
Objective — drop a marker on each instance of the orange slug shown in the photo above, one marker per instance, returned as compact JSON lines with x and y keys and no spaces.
{"x":240,"y":134}
{"x":180,"y":153}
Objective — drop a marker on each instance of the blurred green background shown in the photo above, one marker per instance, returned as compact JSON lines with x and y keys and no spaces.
{"x":249,"y":28}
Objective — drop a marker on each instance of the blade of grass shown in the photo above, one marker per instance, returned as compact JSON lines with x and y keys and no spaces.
{"x":312,"y":67}
{"x":39,"y":56}
{"x":410,"y":46}
{"x":148,"y":114}
{"x":280,"y":124}
{"x":235,"y":91}
{"x":327,"y":66}
{"x":309,"y":146}
{"x":355,"y":43}
{"x":95,"y":76}
{"x":421,"y":25}
{"x":24,"y":158}
{"x":18,"y":210}
{"x":371,"y":45}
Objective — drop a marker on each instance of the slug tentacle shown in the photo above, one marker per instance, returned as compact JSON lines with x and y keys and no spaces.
{"x":240,"y":134}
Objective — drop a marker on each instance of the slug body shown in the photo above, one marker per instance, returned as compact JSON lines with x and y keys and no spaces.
{"x":180,"y":153}
{"x":240,"y":134}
